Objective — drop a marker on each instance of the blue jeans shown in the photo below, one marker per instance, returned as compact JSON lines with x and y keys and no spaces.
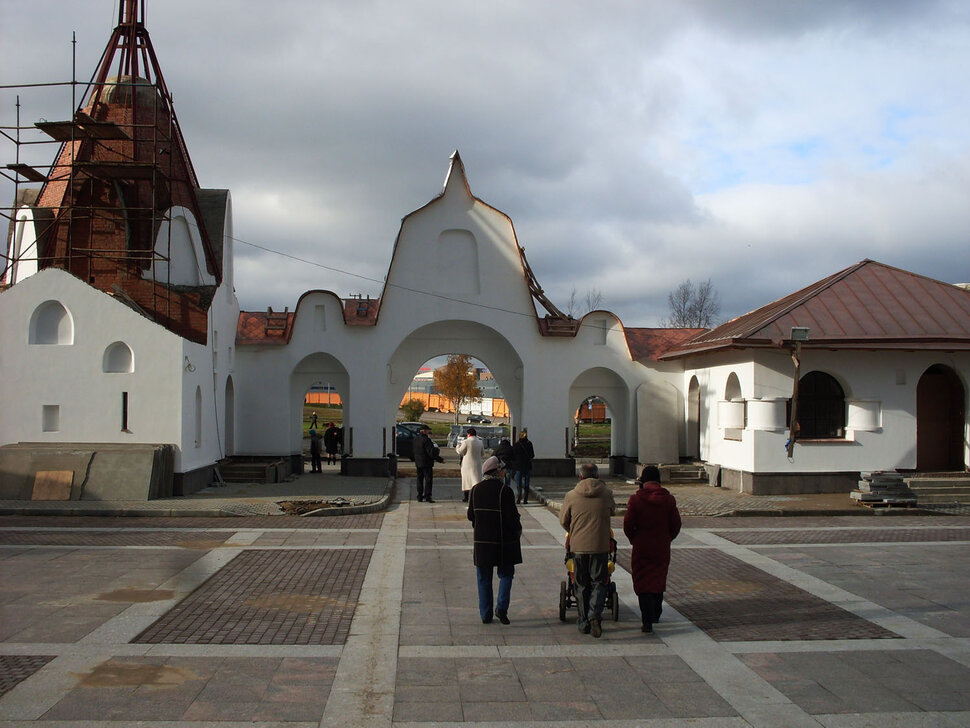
{"x":591,"y":577}
{"x":522,"y":479}
{"x":505,"y":575}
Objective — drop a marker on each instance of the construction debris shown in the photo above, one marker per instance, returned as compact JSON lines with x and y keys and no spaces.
{"x":883,"y":489}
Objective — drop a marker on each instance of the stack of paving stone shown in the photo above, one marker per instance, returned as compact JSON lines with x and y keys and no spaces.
{"x":883,"y":488}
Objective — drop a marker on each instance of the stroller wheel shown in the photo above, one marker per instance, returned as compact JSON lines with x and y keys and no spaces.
{"x":562,"y":601}
{"x":614,"y":602}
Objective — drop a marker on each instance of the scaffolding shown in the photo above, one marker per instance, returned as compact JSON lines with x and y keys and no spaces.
{"x":120,"y":165}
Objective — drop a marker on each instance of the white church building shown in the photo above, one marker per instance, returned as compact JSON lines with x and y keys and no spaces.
{"x":128,"y":371}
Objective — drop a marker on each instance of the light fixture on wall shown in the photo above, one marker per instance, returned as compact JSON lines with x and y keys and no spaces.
{"x":799,"y":333}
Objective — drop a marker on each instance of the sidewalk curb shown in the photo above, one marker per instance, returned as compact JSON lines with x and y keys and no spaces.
{"x":66,"y":510}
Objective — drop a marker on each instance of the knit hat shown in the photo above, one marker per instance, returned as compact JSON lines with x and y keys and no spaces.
{"x":491,"y":465}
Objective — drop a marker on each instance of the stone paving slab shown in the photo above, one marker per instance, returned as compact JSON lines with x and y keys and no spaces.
{"x":855,"y":535}
{"x":336,"y":522}
{"x":867,"y":681}
{"x":196,"y":539}
{"x":294,"y":597}
{"x":198,"y":689}
{"x":734,"y":601}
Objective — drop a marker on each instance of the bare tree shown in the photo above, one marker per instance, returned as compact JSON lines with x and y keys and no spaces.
{"x":692,"y":307}
{"x":591,"y":302}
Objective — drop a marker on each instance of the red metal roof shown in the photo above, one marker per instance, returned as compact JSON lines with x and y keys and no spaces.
{"x":868,"y":305}
{"x":259,"y":327}
{"x":652,"y":343}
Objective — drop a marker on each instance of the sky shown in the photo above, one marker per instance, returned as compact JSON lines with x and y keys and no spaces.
{"x":761,"y":144}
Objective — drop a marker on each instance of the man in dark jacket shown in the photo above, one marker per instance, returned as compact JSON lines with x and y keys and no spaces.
{"x":492,"y":511}
{"x":652,"y":521}
{"x":425,"y":453}
{"x":586,"y":511}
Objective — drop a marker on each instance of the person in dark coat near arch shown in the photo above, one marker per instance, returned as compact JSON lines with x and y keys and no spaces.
{"x":651,"y":522}
{"x":498,"y":528}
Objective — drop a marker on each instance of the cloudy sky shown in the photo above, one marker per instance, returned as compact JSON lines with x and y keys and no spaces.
{"x":763,"y":144}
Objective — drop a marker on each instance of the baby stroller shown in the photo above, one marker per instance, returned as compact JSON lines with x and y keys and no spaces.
{"x":567,"y":588}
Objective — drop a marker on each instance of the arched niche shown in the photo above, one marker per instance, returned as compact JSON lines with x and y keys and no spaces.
{"x":51,"y":323}
{"x":118,"y":358}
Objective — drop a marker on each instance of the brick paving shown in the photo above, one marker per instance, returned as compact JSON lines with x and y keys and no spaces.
{"x":858,"y":535}
{"x":299,"y":597}
{"x":733,"y":601}
{"x":16,"y":668}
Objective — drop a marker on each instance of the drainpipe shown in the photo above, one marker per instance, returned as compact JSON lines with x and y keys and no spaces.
{"x":798,"y":335}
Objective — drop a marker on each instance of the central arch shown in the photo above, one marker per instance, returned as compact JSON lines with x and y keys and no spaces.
{"x":455,"y":337}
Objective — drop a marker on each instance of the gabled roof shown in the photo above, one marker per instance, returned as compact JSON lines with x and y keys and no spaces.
{"x":868,"y":305}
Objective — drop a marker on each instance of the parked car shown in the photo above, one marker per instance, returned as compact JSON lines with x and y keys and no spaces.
{"x":479,"y":418}
{"x":489,"y":435}
{"x":404,"y":434}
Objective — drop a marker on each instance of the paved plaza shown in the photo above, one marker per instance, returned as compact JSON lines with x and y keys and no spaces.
{"x":371,"y":619}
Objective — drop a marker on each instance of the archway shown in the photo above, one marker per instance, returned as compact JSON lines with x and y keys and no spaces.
{"x":694,"y":419}
{"x":605,"y":385}
{"x":940,"y":420}
{"x":455,"y":337}
{"x":323,"y":373}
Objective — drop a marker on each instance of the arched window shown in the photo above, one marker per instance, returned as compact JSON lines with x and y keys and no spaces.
{"x":118,"y":357}
{"x":51,"y":324}
{"x":821,"y":407}
{"x":731,"y":411}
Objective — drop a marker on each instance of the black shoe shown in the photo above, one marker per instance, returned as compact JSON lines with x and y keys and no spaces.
{"x":596,"y":628}
{"x":503,"y":617}
{"x":583,"y":629}
{"x":429,"y":500}
{"x":420,"y":498}
{"x":486,"y":620}
{"x":464,"y":496}
{"x":646,"y":628}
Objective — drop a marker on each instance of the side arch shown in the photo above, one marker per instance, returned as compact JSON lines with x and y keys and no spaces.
{"x":610,"y":387}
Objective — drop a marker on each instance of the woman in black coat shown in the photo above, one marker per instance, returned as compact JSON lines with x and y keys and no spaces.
{"x":522,"y":456}
{"x":492,"y":511}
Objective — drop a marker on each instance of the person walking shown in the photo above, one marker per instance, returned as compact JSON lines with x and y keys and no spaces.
{"x":497,"y":528}
{"x":652,"y":522}
{"x":586,"y":511}
{"x":504,"y":453}
{"x":471,"y":451}
{"x":425,"y":454}
{"x":313,"y":420}
{"x":316,"y":450}
{"x":522,"y":456}
{"x":331,"y":440}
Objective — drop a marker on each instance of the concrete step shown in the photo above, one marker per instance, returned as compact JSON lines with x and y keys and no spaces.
{"x":941,"y":488}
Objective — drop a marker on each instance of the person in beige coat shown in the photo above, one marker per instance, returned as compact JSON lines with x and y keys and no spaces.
{"x":471,"y":450}
{"x":586,"y":511}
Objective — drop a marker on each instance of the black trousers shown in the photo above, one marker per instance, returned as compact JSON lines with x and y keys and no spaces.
{"x":425,"y":481}
{"x":651,"y":605}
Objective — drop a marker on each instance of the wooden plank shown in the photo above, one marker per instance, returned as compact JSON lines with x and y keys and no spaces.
{"x":52,"y":485}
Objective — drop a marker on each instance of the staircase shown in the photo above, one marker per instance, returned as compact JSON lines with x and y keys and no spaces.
{"x":684,"y":474}
{"x":940,"y":488}
{"x":253,"y":471}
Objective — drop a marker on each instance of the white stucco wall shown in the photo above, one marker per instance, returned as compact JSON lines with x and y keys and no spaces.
{"x":880,"y":393}
{"x":455,"y":285}
{"x":70,"y":376}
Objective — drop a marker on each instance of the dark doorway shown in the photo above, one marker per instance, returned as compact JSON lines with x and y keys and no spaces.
{"x":940,"y":420}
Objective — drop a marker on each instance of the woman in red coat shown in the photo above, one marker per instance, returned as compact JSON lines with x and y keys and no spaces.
{"x":652,"y":521}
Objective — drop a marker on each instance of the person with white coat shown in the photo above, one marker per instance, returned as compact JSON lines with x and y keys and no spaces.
{"x":471,"y":450}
